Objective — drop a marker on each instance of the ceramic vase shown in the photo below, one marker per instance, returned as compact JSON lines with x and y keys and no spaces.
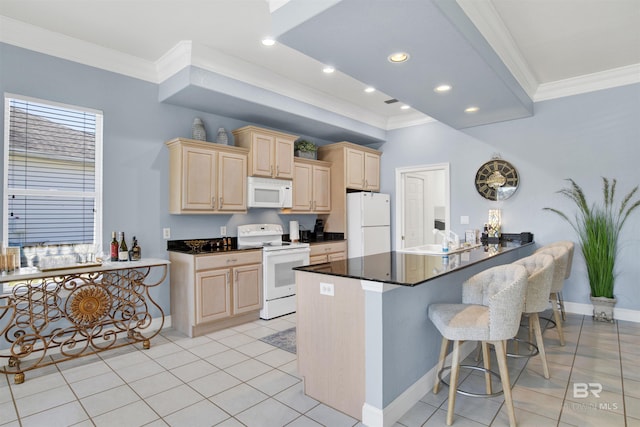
{"x":222,"y":137}
{"x":197,"y":130}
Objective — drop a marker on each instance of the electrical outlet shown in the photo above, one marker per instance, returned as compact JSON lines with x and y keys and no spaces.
{"x":223,"y":231}
{"x":166,"y":233}
{"x":326,"y":289}
{"x":464,"y":219}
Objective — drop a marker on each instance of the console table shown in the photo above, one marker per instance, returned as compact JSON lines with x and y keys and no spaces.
{"x":75,"y":312}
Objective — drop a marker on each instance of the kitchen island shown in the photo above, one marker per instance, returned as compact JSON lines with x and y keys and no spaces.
{"x":365,"y":343}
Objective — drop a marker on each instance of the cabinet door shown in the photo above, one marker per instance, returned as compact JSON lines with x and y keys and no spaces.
{"x":199,"y":178}
{"x":371,"y":172}
{"x":283,"y":155}
{"x":247,"y":288}
{"x":232,"y":182}
{"x":213,"y":295}
{"x":321,"y":189}
{"x":302,"y":187}
{"x":262,"y":155}
{"x":355,"y":169}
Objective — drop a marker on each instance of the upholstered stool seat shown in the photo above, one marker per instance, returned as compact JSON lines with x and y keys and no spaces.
{"x":570,"y":246}
{"x":490,"y":313}
{"x":560,"y":261}
{"x":540,"y":268}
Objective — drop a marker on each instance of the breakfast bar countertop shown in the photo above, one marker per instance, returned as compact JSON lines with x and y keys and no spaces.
{"x":407,"y":269}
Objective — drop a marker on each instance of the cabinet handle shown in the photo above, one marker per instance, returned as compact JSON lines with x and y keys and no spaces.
{"x":314,"y":205}
{"x":220,"y":202}
{"x":227,"y":277}
{"x":278,"y":170}
{"x":213,"y":202}
{"x":271,"y":170}
{"x":235,"y":276}
{"x":366,"y":183}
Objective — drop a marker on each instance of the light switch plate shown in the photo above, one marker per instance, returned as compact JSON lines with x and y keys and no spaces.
{"x":464,"y":219}
{"x":223,"y":231}
{"x":166,"y":233}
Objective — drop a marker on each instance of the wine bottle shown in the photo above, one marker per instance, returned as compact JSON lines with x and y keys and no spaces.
{"x":114,"y":247}
{"x":123,"y":252}
{"x":136,"y":252}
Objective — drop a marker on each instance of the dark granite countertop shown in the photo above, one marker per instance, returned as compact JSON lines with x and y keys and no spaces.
{"x":407,"y":269}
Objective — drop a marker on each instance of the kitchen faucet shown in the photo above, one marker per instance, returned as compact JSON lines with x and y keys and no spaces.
{"x":448,"y":236}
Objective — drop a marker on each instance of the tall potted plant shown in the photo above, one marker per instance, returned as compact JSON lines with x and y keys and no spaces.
{"x":598,"y":228}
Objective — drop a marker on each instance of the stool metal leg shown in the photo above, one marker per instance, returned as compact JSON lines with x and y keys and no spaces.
{"x":453,"y":385}
{"x":501,"y":355}
{"x":443,"y":354}
{"x":556,"y":316}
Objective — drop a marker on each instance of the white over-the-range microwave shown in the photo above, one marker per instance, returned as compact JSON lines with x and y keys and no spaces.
{"x":269,"y":193}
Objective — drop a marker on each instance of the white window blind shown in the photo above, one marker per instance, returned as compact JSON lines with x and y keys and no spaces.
{"x":52,"y":173}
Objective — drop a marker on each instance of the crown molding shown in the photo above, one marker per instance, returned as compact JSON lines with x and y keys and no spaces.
{"x":37,"y":39}
{"x":415,"y":119}
{"x":488,"y":21}
{"x":622,"y":76}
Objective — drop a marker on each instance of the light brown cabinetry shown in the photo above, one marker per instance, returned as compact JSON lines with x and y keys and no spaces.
{"x":206,"y":178}
{"x":311,"y":186}
{"x":353,"y":167}
{"x":362,"y":170}
{"x":327,"y":252}
{"x":270,"y":152}
{"x":214,"y":291}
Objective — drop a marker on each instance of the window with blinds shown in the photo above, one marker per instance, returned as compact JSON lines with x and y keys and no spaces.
{"x":52,"y":186}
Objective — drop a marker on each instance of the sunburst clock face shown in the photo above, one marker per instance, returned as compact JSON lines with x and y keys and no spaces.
{"x":497,"y":180}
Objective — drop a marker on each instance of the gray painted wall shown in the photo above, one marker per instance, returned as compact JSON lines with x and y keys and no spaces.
{"x":136,"y":160}
{"x":583,"y":137}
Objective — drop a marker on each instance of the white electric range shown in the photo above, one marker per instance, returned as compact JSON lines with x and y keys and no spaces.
{"x":278,"y":260}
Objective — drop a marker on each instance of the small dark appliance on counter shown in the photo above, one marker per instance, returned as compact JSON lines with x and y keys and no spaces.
{"x":524,"y":237}
{"x":318,"y":229}
{"x":305,"y":236}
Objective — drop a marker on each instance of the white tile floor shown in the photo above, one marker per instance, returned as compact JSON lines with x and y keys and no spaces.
{"x":229,"y":378}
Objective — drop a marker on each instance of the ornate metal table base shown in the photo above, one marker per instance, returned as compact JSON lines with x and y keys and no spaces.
{"x":76,"y":314}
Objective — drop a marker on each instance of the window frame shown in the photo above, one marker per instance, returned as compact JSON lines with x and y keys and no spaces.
{"x":97,"y":194}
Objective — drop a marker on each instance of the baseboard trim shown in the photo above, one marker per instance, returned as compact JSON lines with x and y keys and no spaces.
{"x":587,"y":310}
{"x":376,"y":417}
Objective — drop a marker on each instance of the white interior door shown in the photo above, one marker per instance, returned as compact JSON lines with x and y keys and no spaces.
{"x":414,"y":210}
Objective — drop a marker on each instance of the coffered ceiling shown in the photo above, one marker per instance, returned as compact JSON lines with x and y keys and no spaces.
{"x":498,"y":55}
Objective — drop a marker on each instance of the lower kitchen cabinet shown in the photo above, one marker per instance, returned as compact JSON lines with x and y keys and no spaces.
{"x":327,"y":252}
{"x":215,"y":291}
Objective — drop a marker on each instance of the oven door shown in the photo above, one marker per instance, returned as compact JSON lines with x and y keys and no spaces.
{"x":279,"y":277}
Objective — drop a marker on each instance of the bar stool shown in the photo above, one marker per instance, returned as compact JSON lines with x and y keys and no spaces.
{"x":560,"y":260}
{"x":570,"y":246}
{"x":540,"y":268}
{"x":490,"y":312}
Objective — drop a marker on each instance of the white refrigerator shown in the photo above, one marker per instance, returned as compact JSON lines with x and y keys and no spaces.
{"x":368,"y":224}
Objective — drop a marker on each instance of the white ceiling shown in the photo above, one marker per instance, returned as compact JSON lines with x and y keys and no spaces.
{"x":548,"y":45}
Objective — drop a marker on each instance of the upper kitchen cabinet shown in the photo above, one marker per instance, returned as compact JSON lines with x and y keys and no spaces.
{"x":206,"y":178}
{"x":353,"y":167}
{"x":311,"y":186}
{"x":270,"y":152}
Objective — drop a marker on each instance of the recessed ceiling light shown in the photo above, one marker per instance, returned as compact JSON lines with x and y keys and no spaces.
{"x":471,"y":110}
{"x":398,"y":57}
{"x":442,"y":88}
{"x":328,"y":69}
{"x":405,"y":107}
{"x":268,"y":41}
{"x":370,"y":89}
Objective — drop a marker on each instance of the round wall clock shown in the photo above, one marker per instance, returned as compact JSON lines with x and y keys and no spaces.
{"x":497,"y":180}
